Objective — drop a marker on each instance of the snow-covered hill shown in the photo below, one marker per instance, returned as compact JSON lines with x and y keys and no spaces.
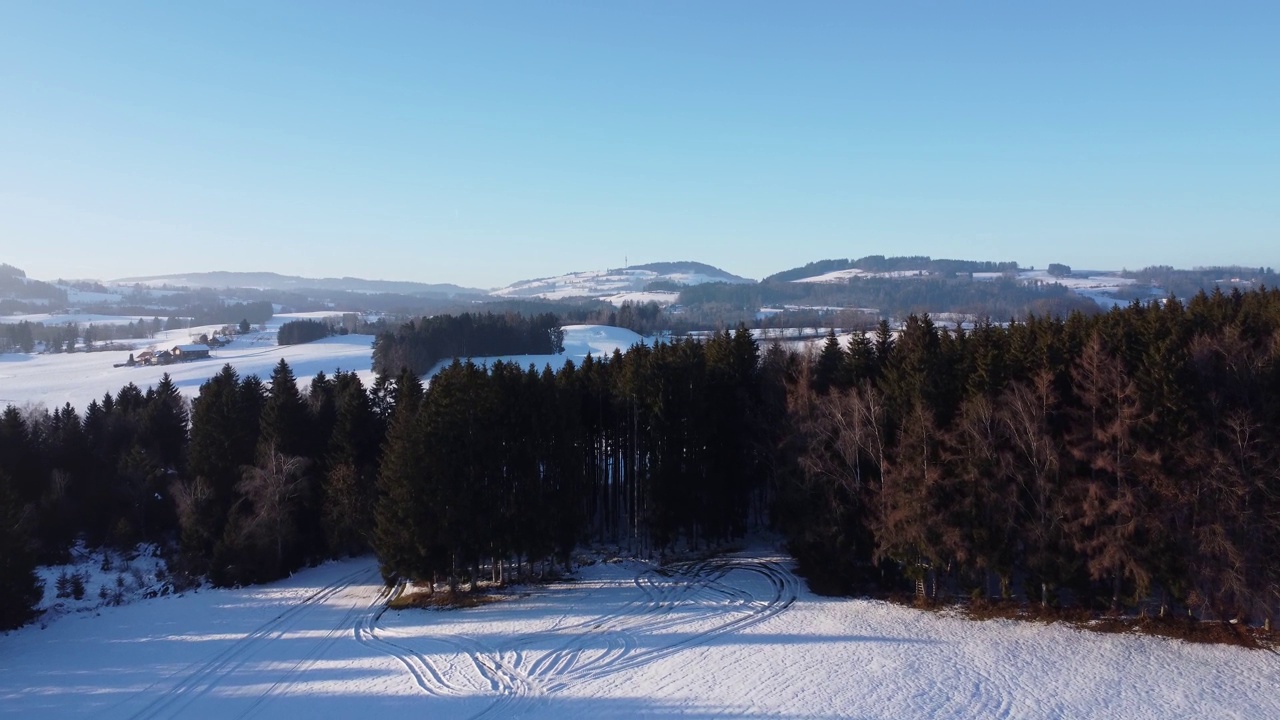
{"x":619,"y":285}
{"x":1100,"y":286}
{"x":221,"y":280}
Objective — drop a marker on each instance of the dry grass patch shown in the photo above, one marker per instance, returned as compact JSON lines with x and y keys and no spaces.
{"x":440,"y":600}
{"x":1176,"y":627}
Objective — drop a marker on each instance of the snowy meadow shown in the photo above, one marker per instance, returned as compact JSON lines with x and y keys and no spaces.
{"x":733,"y":636}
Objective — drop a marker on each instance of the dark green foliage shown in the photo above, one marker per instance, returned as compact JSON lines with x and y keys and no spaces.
{"x":420,"y":344}
{"x":879,"y":263}
{"x":1111,"y":460}
{"x":297,"y":332}
{"x":224,"y":437}
{"x":20,"y":589}
{"x":284,"y":424}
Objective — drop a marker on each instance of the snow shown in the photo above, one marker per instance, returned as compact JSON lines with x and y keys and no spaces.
{"x":738,"y":636}
{"x":604,"y":284}
{"x":88,"y":297}
{"x":78,"y":378}
{"x":126,"y":577}
{"x":841,"y":276}
{"x":54,"y":379}
{"x":1099,"y":286}
{"x":78,"y":319}
{"x":661,"y":297}
{"x":599,"y":341}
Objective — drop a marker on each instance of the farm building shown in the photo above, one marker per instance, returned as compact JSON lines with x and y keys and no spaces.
{"x":190,"y":352}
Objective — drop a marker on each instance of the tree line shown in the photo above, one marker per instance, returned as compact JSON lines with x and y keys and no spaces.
{"x":1117,"y":460}
{"x":1001,"y":298}
{"x":297,"y":332}
{"x":879,"y":263}
{"x":421,"y":343}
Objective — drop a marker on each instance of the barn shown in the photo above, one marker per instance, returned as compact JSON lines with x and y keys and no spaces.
{"x":190,"y":352}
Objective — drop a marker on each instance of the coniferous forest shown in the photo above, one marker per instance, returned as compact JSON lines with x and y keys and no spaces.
{"x":1112,"y":462}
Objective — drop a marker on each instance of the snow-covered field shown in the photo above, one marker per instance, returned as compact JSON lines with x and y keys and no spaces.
{"x":1098,"y":286}
{"x":605,"y":284}
{"x":737,"y":636}
{"x":78,"y":378}
{"x":598,"y":341}
{"x":661,"y":297}
{"x":841,"y":276}
{"x":54,"y":379}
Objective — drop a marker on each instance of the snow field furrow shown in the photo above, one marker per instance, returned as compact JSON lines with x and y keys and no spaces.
{"x":321,"y":648}
{"x":679,"y":600}
{"x":205,"y":677}
{"x":721,"y":638}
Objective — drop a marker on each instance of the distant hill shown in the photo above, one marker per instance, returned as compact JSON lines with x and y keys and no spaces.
{"x":18,"y":292}
{"x":660,"y":282}
{"x":220,"y":280}
{"x":699,"y":272}
{"x":878,"y":265}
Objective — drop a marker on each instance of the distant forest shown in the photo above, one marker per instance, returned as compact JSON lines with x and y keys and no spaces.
{"x":999,"y":299}
{"x":881,"y":264}
{"x":1127,"y":460}
{"x":419,"y":344}
{"x":1185,"y":283}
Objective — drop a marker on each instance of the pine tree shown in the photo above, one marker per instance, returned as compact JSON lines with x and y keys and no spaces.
{"x":400,"y":538}
{"x":164,"y":425}
{"x":223,"y":438}
{"x":20,"y":588}
{"x":284,"y":415}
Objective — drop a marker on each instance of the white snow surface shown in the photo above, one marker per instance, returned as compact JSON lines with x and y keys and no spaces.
{"x":604,"y":284}
{"x":662,"y":297}
{"x":598,"y":341}
{"x":734,"y":637}
{"x":841,"y":276}
{"x":1099,"y":286}
{"x":109,"y":577}
{"x":77,"y":319}
{"x":54,"y":379}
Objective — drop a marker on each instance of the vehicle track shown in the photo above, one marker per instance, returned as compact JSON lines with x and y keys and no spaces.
{"x":686,"y":595}
{"x":321,"y":648}
{"x":204,"y":677}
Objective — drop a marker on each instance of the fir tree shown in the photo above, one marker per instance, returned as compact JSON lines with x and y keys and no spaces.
{"x":20,"y":588}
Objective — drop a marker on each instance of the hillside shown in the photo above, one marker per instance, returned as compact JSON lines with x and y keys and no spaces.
{"x":657,"y":282}
{"x":222,"y":280}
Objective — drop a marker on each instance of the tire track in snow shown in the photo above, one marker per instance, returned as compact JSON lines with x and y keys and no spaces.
{"x":425,"y":674}
{"x":206,"y":676}
{"x":785,"y":589}
{"x":321,"y":648}
{"x":683,"y":595}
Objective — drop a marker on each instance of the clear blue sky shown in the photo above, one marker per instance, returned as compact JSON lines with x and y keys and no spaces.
{"x":483,"y":143}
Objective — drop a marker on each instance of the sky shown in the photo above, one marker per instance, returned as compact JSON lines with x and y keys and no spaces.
{"x":485,"y":143}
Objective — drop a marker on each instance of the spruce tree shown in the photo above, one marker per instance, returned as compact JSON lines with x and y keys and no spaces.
{"x":284,"y":415}
{"x":20,"y":588}
{"x":399,"y":537}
